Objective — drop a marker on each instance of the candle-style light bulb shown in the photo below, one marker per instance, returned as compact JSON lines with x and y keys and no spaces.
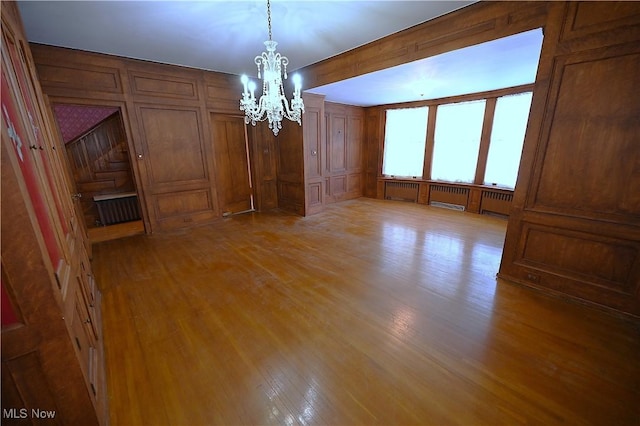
{"x":252,"y":88}
{"x":244,"y":79}
{"x":297,"y":83}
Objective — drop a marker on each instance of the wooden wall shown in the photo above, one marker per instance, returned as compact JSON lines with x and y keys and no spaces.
{"x":333,"y":152}
{"x":52,"y":351}
{"x":575,"y":224}
{"x":165,"y":111}
{"x":345,"y":148}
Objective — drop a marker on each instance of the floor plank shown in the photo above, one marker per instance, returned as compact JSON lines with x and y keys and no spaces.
{"x":371,"y":312}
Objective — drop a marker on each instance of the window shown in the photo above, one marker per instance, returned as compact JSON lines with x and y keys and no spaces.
{"x":457,"y":141}
{"x":507,"y":136}
{"x":404,"y":141}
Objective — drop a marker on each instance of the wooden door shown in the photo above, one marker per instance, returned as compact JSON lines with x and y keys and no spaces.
{"x":232,"y":160}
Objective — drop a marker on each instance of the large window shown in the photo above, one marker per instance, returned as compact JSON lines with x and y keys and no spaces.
{"x":404,"y":142}
{"x":455,"y":147}
{"x":457,"y":141}
{"x":507,"y":136}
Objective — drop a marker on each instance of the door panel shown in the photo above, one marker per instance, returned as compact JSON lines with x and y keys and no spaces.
{"x":232,"y":161}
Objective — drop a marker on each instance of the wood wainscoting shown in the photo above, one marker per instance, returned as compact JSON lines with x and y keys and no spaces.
{"x":369,"y":312}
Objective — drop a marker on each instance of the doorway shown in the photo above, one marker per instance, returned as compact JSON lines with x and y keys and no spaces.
{"x":231,"y":146}
{"x":97,"y":154}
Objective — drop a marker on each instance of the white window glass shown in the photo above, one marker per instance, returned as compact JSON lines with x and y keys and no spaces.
{"x":404,"y":140}
{"x":457,"y":141}
{"x":507,"y":137}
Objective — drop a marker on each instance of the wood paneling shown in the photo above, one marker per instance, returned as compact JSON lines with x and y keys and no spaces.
{"x":222,"y":92}
{"x":232,"y":162}
{"x":165,"y":112}
{"x":337,"y":143}
{"x":290,"y":166}
{"x":597,"y":21}
{"x":173,"y":145}
{"x":313,"y":142}
{"x":178,"y":203}
{"x":602,"y":122}
{"x":74,"y":76}
{"x":574,"y":226}
{"x":373,"y":143}
{"x":162,"y":85}
{"x":607,"y":262}
{"x":344,"y":147}
{"x":315,"y":153}
{"x":264,"y":167}
{"x":45,"y":267}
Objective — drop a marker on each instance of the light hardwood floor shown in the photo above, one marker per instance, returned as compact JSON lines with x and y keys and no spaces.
{"x":372,"y":312}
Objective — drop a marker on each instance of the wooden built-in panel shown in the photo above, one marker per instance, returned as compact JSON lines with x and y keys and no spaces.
{"x":172,"y":204}
{"x":73,"y":76}
{"x":336,"y":143}
{"x":264,"y":170}
{"x":43,"y":259}
{"x":231,"y":149}
{"x":602,"y":123}
{"x":588,"y":18}
{"x":354,"y":184}
{"x":372,"y":157}
{"x":316,"y":153}
{"x":344,"y":148}
{"x":314,"y":194}
{"x":313,"y":142}
{"x":337,"y":186}
{"x":173,"y":145}
{"x":355,"y":130}
{"x":290,"y":166}
{"x":165,"y":86}
{"x":573,"y":228}
{"x":600,"y":261}
{"x":222,"y":92}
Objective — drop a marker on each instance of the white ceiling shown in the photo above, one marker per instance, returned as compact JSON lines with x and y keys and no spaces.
{"x":225,"y":36}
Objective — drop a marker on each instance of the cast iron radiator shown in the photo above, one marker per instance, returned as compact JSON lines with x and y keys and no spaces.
{"x":117,"y":208}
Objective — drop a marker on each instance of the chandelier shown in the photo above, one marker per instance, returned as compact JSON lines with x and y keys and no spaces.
{"x":272,"y":105}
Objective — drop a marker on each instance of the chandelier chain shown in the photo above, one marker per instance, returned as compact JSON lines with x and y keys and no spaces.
{"x":269,"y":17}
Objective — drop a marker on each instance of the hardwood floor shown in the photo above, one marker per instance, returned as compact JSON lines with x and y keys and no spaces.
{"x":371,"y":312}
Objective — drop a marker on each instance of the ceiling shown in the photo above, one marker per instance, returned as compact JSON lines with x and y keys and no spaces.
{"x":225,"y":36}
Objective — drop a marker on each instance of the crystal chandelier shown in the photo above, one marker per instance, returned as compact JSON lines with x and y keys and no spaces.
{"x":272,"y":105}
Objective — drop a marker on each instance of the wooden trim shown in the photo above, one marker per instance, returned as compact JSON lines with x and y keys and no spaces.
{"x":485,"y":139}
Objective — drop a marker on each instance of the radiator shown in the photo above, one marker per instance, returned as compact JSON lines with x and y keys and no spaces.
{"x":496,"y":202}
{"x":451,"y":196}
{"x":401,"y":191}
{"x":117,"y":208}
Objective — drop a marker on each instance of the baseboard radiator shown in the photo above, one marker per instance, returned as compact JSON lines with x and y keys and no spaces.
{"x":452,"y":197}
{"x":401,"y":191}
{"x":117,"y":208}
{"x":496,"y":202}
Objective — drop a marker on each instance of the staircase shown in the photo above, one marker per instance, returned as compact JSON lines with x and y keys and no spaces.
{"x":100,"y":164}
